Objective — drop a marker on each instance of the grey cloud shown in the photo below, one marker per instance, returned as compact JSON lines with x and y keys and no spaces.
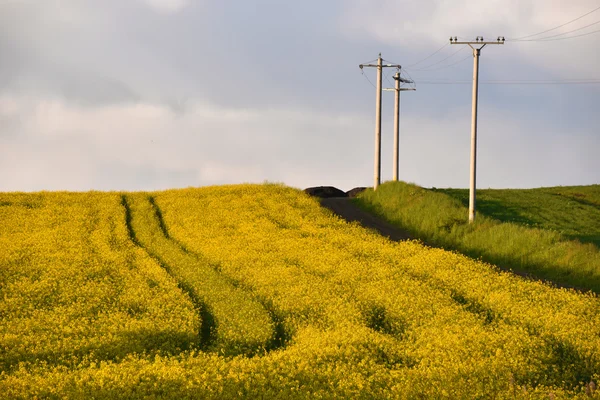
{"x":96,"y":91}
{"x":125,"y":83}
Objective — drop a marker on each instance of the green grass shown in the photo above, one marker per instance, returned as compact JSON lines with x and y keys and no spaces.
{"x":573,"y":211}
{"x":548,"y":233}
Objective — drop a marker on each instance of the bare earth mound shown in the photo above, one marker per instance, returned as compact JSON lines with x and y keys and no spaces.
{"x":325,"y":192}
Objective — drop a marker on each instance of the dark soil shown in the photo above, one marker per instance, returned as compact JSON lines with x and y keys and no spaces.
{"x":345,"y":208}
{"x":325,"y":192}
{"x":340,"y":203}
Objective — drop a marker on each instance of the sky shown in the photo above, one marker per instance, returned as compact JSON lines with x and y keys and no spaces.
{"x":158,"y":94}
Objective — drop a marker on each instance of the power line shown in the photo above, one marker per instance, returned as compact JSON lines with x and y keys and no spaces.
{"x":556,"y":27}
{"x":516,"y":82}
{"x":368,"y":80}
{"x":561,"y":34}
{"x":403,"y":71}
{"x":574,"y":30}
{"x":369,"y":62}
{"x":429,"y":56}
{"x":427,"y":68}
{"x":445,"y":66}
{"x":390,"y":63}
{"x":563,"y":38}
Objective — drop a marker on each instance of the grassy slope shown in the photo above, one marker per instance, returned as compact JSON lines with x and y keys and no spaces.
{"x":530,"y":231}
{"x":573,"y":211}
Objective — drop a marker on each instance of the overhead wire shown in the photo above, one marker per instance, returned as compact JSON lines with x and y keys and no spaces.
{"x":556,"y":27}
{"x":561,"y":34}
{"x":389,"y":62}
{"x":563,"y":38}
{"x":429,"y":56}
{"x":427,"y":68}
{"x":365,"y":75}
{"x":362,"y":71}
{"x":515,"y":82}
{"x":403,"y":71}
{"x":369,"y":62}
{"x":445,"y":66}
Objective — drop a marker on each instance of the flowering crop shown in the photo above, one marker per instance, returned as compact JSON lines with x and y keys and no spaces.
{"x":233,"y":322}
{"x":74,"y":287}
{"x":299,"y":304}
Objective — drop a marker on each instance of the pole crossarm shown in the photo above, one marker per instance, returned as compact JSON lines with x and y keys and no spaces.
{"x":484,"y":43}
{"x":361,"y":66}
{"x":478,"y":41}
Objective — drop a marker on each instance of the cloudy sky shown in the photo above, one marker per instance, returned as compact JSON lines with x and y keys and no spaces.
{"x":155,"y":94}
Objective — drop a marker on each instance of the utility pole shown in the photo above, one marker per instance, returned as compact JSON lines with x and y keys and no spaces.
{"x":476,"y":52}
{"x":397,"y":89}
{"x":379,"y":66}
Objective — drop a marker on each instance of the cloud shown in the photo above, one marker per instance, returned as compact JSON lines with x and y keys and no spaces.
{"x":51,"y":144}
{"x":166,"y":6}
{"x":121,"y":95}
{"x":425,"y":26}
{"x":54,"y":144}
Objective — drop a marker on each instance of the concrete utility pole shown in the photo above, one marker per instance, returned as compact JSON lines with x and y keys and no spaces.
{"x":379,"y":66}
{"x":397,"y":89}
{"x":476,"y":52}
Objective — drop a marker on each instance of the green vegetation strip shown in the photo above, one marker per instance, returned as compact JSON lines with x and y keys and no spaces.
{"x":529,"y":231}
{"x":233,"y":322}
{"x":573,"y":211}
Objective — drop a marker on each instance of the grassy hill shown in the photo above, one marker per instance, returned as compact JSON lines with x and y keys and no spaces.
{"x":549,"y":233}
{"x":257,"y":291}
{"x":573,"y":211}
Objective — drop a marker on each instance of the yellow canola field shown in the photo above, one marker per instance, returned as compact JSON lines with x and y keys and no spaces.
{"x":233,"y":322}
{"x":75,"y":289}
{"x":346,"y":313}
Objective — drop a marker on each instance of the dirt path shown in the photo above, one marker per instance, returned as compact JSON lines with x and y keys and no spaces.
{"x":344,"y":207}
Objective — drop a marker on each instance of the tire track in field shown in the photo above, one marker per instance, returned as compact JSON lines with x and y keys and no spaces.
{"x":281,"y":336}
{"x":206,"y":333}
{"x":234,"y":320}
{"x":372,"y":318}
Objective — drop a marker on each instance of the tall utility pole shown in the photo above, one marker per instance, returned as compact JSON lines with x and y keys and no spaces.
{"x":379,"y":66}
{"x":476,"y":52}
{"x":397,"y":89}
